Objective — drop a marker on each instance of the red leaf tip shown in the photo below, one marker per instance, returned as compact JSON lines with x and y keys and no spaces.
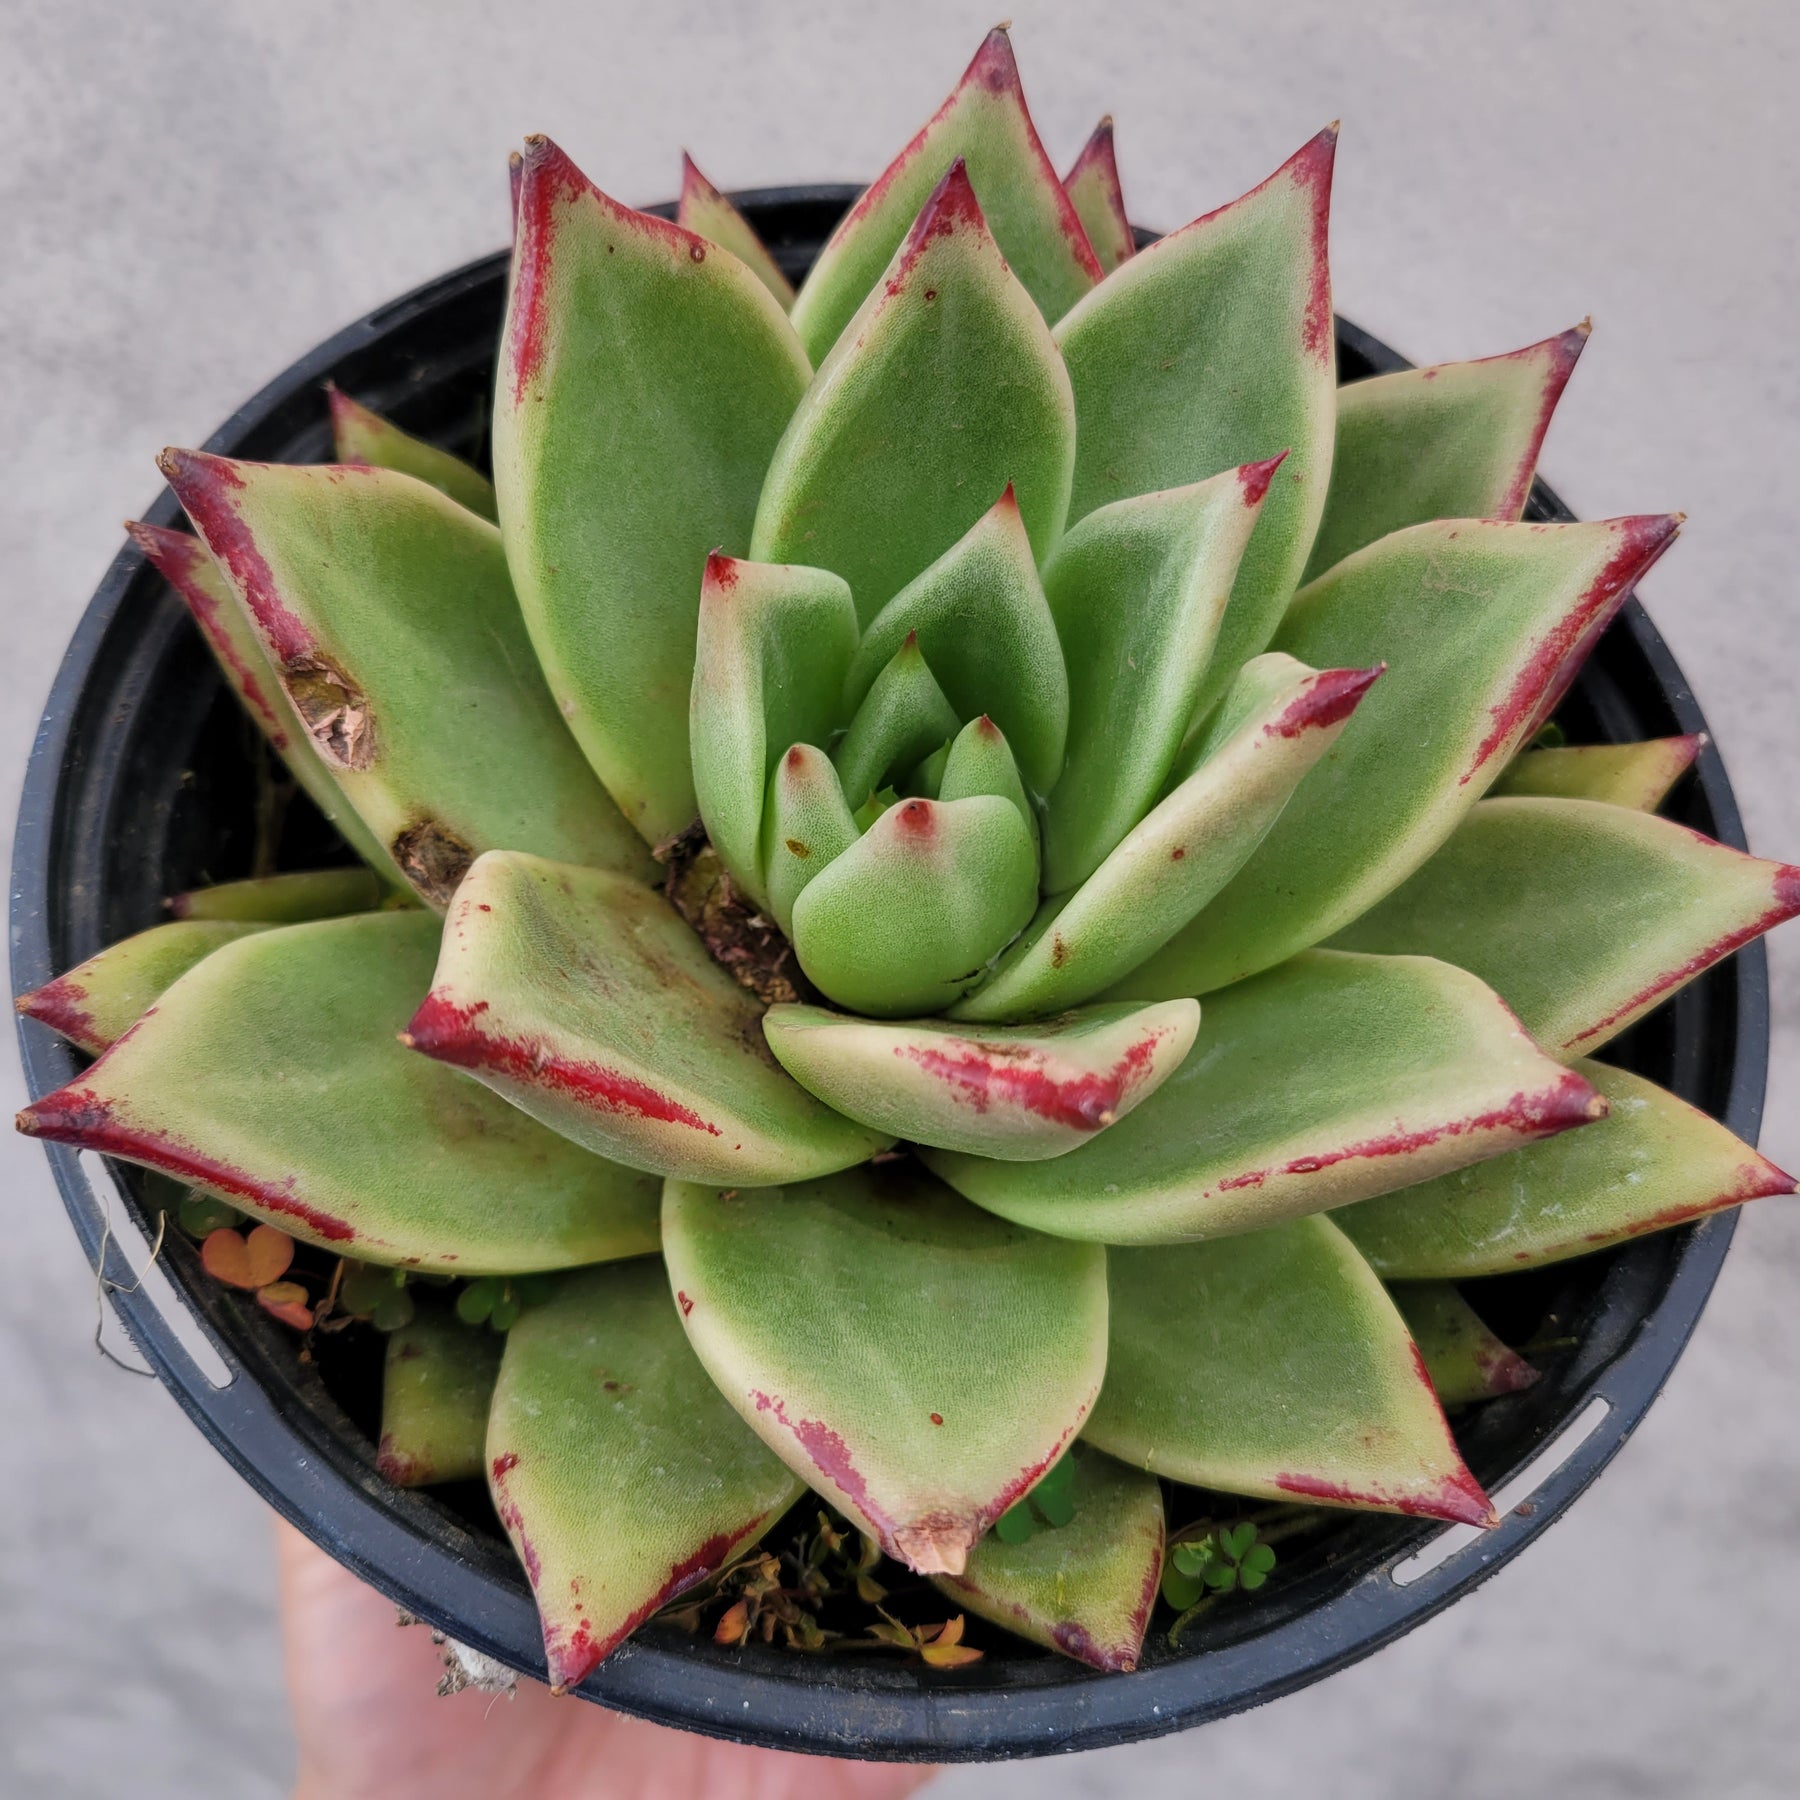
{"x":951,"y":207}
{"x":721,"y":571}
{"x":993,"y":66}
{"x":915,"y":818}
{"x":1255,"y":477}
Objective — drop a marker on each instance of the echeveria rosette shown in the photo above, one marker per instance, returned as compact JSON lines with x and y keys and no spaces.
{"x":1067,"y":725}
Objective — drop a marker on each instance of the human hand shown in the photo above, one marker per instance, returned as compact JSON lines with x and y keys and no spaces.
{"x":370,"y":1723}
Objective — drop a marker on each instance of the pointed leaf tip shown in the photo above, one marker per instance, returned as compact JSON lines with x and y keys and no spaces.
{"x":1330,"y":698}
{"x":1255,"y":477}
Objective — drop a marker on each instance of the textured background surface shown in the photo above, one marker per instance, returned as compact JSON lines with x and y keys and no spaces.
{"x":196,"y":192}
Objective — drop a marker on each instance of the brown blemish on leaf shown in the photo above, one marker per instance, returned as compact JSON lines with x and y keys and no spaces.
{"x":333,"y":709}
{"x":744,"y":942}
{"x":432,"y":859}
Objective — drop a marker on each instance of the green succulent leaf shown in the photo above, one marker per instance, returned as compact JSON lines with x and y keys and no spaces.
{"x":1332,"y":1077}
{"x":1464,"y":1357}
{"x":1137,"y":590}
{"x":1275,"y":722}
{"x":1459,"y":441}
{"x":981,"y":621}
{"x":285,"y":899}
{"x":1274,"y":1364}
{"x":98,"y":1001}
{"x":360,"y":435}
{"x":775,"y":643}
{"x":184,"y":562}
{"x":809,"y":825}
{"x":915,"y":1360}
{"x":388,"y":613}
{"x":985,"y":124}
{"x":271,"y":1075}
{"x":619,"y":1471}
{"x":908,"y":918}
{"x":1482,"y":625}
{"x":946,"y":387}
{"x":1018,"y":1093}
{"x":1211,"y":349}
{"x":436,"y":1385}
{"x":1581,"y":915}
{"x":643,"y":387}
{"x":585,"y":1000}
{"x":980,"y":761}
{"x":1085,"y":1589}
{"x":1635,"y":775}
{"x":1653,"y":1162}
{"x":1092,"y":185}
{"x":706,"y":212}
{"x":902,"y":719}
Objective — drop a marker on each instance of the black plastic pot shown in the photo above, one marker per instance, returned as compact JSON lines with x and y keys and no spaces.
{"x":138,"y":788}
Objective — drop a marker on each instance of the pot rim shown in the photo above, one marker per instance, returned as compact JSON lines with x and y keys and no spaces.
{"x":423,"y":1559}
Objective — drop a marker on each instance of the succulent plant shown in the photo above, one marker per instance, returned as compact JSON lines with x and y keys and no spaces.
{"x":954,"y":805}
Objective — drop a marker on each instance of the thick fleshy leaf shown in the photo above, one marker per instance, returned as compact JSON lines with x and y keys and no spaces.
{"x":1092,"y":185}
{"x":98,"y":1001}
{"x":1275,"y":722}
{"x":1635,"y":775}
{"x":1459,"y":441}
{"x":980,"y":761}
{"x":839,"y":1318}
{"x":946,"y":387}
{"x":1018,"y":1093}
{"x":360,"y":435}
{"x":903,"y":718}
{"x":1481,"y":626}
{"x":1328,"y":1079}
{"x":643,"y":387}
{"x":585,"y":999}
{"x":1653,"y":1162}
{"x":703,"y":210}
{"x":985,"y":124}
{"x":1137,"y":590}
{"x":387,"y":611}
{"x":1085,"y":1588}
{"x":982,"y":623}
{"x":436,"y":1384}
{"x":809,"y":826}
{"x":1581,"y":915}
{"x":619,"y":1471}
{"x":271,"y":1076}
{"x":1275,"y":1365}
{"x":1210,"y":349}
{"x":183,"y":562}
{"x":909,"y":917}
{"x":775,"y":643}
{"x":285,"y":899}
{"x":1464,"y":1358}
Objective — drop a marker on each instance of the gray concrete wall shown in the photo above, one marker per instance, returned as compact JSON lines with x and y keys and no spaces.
{"x":198,"y":190}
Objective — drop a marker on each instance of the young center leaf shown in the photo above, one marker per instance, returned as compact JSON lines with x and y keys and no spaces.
{"x":1481,"y":625}
{"x":1327,"y":1079}
{"x":436,"y":1386}
{"x":1459,"y":441}
{"x":1018,"y":1093}
{"x":1654,"y":1161}
{"x":643,"y":384}
{"x":917,"y":1361}
{"x":1085,"y":1588}
{"x":946,"y":387}
{"x":619,"y":1471}
{"x":388,"y":614}
{"x":984,"y":124}
{"x":1276,"y":1365}
{"x":1210,"y":349}
{"x":1581,"y":915}
{"x":809,"y":825}
{"x":1274,"y":723}
{"x":584,"y":999}
{"x":271,"y":1075}
{"x":902,"y":719}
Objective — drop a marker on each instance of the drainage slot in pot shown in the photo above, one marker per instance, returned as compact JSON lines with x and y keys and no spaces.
{"x":1516,"y":1492}
{"x":127,"y":1267}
